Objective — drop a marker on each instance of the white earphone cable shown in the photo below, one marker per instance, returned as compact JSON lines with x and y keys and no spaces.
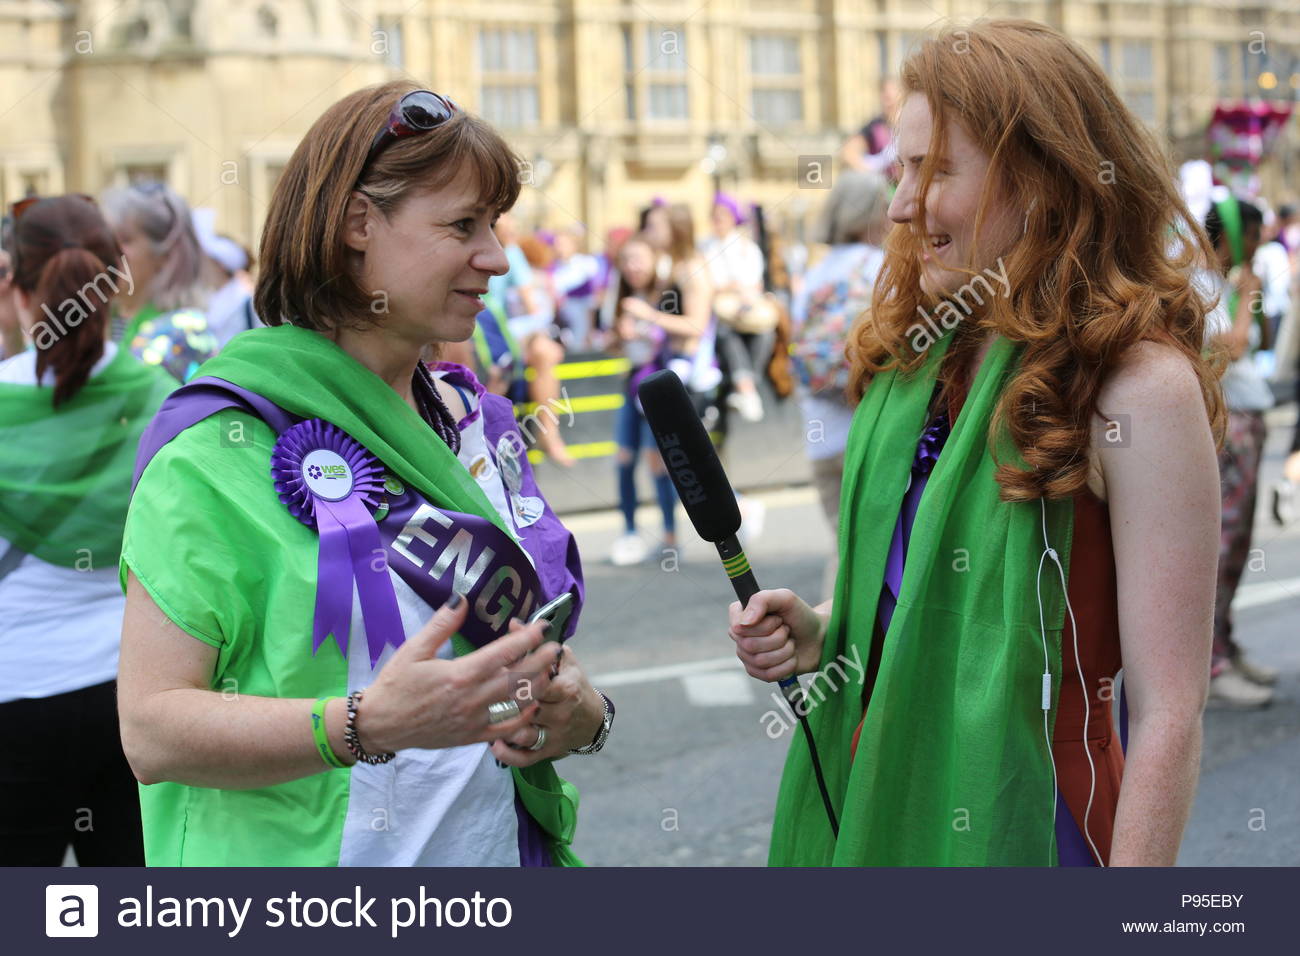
{"x":1050,"y":552}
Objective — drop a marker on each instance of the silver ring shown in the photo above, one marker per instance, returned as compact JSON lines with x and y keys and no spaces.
{"x":502,"y":711}
{"x":541,"y":739}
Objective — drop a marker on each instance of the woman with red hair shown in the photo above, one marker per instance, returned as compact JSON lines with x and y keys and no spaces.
{"x":1031,"y":495}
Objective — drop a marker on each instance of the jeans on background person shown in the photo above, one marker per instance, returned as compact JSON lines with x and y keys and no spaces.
{"x":745,"y":354}
{"x":632,"y":435}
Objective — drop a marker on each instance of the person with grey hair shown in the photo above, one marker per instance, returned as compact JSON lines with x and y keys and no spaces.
{"x":836,"y":293}
{"x":160,"y":315}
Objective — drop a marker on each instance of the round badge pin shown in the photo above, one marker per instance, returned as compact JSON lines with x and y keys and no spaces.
{"x":508,"y":462}
{"x":327,"y":474}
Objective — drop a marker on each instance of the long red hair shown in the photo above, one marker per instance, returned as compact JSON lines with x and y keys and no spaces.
{"x":1105,"y":262}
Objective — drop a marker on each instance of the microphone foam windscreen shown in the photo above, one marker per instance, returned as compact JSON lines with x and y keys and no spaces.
{"x":690,"y":457}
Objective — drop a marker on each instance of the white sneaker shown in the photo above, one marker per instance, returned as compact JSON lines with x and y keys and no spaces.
{"x":628,"y":549}
{"x":1260,"y":674}
{"x":1233,"y":691}
{"x":746,"y":404}
{"x":753,"y":515}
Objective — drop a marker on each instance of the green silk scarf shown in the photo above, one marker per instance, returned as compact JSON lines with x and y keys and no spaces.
{"x":65,"y":476}
{"x":952,"y":767}
{"x":308,"y":375}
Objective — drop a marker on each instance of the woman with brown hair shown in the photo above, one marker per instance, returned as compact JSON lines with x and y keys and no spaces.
{"x":72,"y":408}
{"x":1030,"y":495}
{"x":340,"y":520}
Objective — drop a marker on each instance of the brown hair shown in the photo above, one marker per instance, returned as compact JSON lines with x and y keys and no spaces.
{"x":65,"y":255}
{"x":1105,"y":262}
{"x":307,"y":277}
{"x":681,"y":224}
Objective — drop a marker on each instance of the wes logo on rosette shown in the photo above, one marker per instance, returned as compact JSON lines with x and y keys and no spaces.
{"x":331,"y":483}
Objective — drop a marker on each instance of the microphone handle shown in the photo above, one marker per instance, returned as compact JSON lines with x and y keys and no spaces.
{"x":745,"y":585}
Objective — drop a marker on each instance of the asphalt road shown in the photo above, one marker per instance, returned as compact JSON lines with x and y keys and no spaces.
{"x":689,"y":777}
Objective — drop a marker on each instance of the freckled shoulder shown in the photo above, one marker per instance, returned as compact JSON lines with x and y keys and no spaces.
{"x":1151,"y":377}
{"x":1154,"y":383}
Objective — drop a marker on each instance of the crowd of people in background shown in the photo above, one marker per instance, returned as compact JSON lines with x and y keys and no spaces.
{"x":736,"y":311}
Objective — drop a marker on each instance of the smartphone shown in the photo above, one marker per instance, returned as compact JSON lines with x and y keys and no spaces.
{"x":557,"y":612}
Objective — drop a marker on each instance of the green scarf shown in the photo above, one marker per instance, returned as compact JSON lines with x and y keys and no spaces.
{"x":952,"y":768}
{"x":308,"y":375}
{"x":65,"y":478}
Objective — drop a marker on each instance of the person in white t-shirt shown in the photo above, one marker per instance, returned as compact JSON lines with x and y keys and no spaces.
{"x":746,"y":322}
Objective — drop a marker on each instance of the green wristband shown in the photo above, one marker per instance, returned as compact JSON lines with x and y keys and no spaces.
{"x":322,"y":740}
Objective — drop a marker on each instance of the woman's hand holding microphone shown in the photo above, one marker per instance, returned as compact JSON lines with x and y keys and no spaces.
{"x":777,"y":634}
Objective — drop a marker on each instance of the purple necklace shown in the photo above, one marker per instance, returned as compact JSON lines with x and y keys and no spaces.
{"x":433,"y":409}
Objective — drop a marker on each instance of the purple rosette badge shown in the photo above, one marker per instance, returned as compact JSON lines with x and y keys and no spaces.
{"x":331,"y":483}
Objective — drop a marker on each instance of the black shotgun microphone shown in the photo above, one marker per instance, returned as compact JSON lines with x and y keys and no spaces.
{"x":710,"y":503}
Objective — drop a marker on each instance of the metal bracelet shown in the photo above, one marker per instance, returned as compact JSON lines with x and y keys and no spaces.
{"x":602,"y":734}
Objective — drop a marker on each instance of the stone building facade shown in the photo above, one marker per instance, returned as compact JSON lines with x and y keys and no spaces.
{"x":608,"y":102}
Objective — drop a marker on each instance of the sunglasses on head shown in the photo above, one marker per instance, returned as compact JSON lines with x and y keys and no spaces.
{"x":416,"y":112}
{"x":22,"y":205}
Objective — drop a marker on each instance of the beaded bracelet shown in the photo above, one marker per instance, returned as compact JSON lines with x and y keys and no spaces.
{"x":321,"y":738}
{"x":350,"y":735}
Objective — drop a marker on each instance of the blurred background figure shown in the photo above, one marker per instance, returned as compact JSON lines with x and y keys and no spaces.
{"x":648,"y":313}
{"x":72,"y":409}
{"x":530,"y":316}
{"x":1238,"y":325}
{"x":835,"y":295}
{"x":575,"y":278}
{"x":227,"y":270}
{"x":746,"y":320}
{"x":607,"y":284}
{"x":12,"y":339}
{"x":161,"y":318}
{"x":871,"y":149}
{"x":670,"y":230}
{"x":1288,"y":235}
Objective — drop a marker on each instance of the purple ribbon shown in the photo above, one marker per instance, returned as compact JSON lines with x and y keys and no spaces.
{"x":927,"y":456}
{"x":330,"y":482}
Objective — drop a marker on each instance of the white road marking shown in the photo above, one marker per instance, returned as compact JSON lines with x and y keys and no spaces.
{"x":646,"y":675}
{"x":724,"y":675}
{"x":1267,"y":592}
{"x":727,"y":688}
